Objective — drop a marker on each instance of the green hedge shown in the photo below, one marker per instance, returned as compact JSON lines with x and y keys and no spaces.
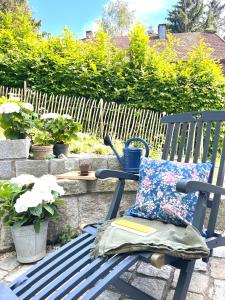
{"x":141,"y":76}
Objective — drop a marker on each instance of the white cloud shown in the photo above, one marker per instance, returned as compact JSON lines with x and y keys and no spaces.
{"x":144,"y":7}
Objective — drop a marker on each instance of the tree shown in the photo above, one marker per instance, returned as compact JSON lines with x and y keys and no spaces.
{"x":186,"y":16}
{"x":117,"y":18}
{"x":15,"y":5}
{"x":213,"y":16}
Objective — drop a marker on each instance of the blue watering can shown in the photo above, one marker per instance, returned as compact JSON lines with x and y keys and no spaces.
{"x":132,"y":155}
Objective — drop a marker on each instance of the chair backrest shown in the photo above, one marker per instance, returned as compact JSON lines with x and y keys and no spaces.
{"x":198,"y":137}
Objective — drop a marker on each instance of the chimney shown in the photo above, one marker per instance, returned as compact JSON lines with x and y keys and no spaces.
{"x":162,"y":31}
{"x":89,"y":34}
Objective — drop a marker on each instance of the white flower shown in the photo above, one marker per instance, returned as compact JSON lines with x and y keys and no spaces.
{"x":49,"y":116}
{"x":66,"y":116}
{"x":26,"y":200}
{"x":32,"y":199}
{"x":28,"y":106}
{"x":8,"y":108}
{"x":23,"y":179}
{"x":48,"y":183}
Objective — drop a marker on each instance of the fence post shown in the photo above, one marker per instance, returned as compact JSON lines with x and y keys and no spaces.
{"x":101,"y":118}
{"x":25,"y":91}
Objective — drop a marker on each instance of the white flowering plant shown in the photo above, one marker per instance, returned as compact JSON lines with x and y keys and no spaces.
{"x":62,"y":128}
{"x":27,"y":200}
{"x":16,"y":118}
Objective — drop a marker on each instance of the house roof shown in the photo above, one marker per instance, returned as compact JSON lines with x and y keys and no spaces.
{"x":187,"y":41}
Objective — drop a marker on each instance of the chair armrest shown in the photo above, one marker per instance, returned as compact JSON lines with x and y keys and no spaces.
{"x":107,"y":173}
{"x":188,"y":186}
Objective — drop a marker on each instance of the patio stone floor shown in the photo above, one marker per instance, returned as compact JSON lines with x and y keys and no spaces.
{"x":208,"y":281}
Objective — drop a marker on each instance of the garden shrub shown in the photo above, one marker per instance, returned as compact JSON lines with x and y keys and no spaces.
{"x":140,"y":76}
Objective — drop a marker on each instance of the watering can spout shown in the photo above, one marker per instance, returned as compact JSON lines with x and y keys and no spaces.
{"x":108,"y":142}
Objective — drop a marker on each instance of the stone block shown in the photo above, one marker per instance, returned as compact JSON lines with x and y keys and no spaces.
{"x":16,"y":273}
{"x":9,"y":263}
{"x":6,"y":169}
{"x":200,"y":266}
{"x":199,"y":282}
{"x":190,"y":296}
{"x":3,"y":274}
{"x":131,"y":186}
{"x":217,"y":268}
{"x":219,"y":252}
{"x":68,"y":214}
{"x":32,"y":167}
{"x":113,"y":163}
{"x":219,"y":290}
{"x":99,"y":163}
{"x":6,"y":242}
{"x":165,"y":272}
{"x":108,"y":295}
{"x":151,"y":286}
{"x":14,"y":149}
{"x":59,"y":166}
{"x":127,"y":201}
{"x":73,"y":187}
{"x":93,"y":209}
{"x":101,"y":185}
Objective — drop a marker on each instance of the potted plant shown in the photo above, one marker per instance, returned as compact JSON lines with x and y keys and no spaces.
{"x":62,"y":129}
{"x":42,"y":138}
{"x":42,"y":147}
{"x":16,"y":118}
{"x":26,"y":205}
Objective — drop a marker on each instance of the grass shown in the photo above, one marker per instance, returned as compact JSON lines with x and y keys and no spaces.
{"x":86,"y":143}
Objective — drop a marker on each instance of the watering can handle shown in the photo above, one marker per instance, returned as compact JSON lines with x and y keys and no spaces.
{"x":139,"y":140}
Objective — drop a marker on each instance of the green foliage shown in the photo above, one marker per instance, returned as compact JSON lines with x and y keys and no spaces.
{"x":186,"y":16}
{"x":141,"y":76}
{"x":54,"y":128}
{"x":67,"y":235}
{"x":63,"y":129}
{"x":86,"y":143}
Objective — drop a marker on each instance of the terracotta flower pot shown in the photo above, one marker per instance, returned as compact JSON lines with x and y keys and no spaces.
{"x":41,"y":152}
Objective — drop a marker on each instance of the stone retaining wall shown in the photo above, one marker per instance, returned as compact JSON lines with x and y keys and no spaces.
{"x":85,"y":201}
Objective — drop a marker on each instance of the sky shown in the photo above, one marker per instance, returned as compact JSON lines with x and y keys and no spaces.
{"x":81,"y":15}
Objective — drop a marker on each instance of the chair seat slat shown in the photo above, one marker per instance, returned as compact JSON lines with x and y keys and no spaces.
{"x":37,"y":285}
{"x":98,"y":274}
{"x":62,"y":278}
{"x":52,"y":257}
{"x":56,"y":266}
{"x":101,"y":284}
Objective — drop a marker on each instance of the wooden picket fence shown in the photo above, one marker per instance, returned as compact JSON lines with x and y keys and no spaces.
{"x":98,"y":117}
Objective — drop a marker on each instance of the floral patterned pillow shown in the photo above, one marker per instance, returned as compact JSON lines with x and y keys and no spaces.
{"x":157,"y":197}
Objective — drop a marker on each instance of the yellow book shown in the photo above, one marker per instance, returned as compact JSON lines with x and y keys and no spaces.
{"x":131,"y":226}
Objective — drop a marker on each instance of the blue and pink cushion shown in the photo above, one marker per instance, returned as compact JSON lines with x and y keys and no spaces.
{"x":157,"y":195}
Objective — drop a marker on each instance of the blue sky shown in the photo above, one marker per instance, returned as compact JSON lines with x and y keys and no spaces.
{"x":81,"y":15}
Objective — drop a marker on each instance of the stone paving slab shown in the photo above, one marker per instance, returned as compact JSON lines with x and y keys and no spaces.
{"x":208,"y":281}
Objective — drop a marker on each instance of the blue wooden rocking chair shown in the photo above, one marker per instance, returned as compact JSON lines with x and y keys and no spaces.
{"x":70,"y":273}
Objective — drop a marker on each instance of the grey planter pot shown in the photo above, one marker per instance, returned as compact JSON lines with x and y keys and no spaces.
{"x":30,"y":246}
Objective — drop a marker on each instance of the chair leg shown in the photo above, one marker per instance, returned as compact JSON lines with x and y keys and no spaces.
{"x":184,"y":280}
